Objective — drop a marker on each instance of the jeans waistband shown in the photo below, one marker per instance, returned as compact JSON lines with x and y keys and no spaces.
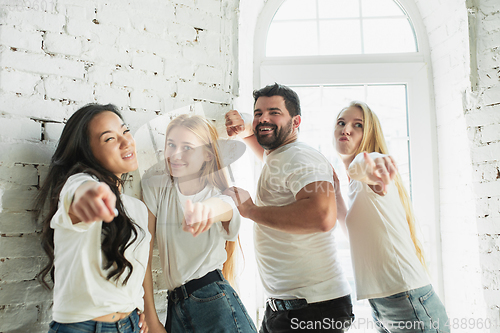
{"x":286,"y":304}
{"x":128,"y":323}
{"x":187,"y":289}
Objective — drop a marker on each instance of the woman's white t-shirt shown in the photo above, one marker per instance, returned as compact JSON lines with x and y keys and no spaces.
{"x":81,"y":290}
{"x":184,"y":257}
{"x":383,"y":254}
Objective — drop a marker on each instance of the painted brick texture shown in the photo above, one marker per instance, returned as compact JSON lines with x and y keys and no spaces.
{"x":483,"y":121}
{"x":467,"y":127}
{"x":147,"y":57}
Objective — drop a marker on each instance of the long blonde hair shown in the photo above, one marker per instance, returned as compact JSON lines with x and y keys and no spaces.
{"x":373,"y":141}
{"x":212,"y":171}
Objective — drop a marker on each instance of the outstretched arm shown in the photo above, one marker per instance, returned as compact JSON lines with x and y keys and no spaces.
{"x":377,"y":170}
{"x":93,"y":201}
{"x":200,"y":216}
{"x":314,"y":210}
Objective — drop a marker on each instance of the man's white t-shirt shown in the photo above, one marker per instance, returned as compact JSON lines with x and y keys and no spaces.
{"x":81,"y":290}
{"x":290,"y":265}
{"x":184,"y":257}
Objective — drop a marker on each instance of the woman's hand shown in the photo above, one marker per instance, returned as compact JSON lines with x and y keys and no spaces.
{"x":198,"y":218}
{"x":381,"y":171}
{"x":92,"y":202}
{"x":142,"y":323}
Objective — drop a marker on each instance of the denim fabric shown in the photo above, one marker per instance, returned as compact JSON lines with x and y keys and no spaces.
{"x":215,"y":307}
{"x":417,"y":310}
{"x":125,"y":325}
{"x":329,"y":316}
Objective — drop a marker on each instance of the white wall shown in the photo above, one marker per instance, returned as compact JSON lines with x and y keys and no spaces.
{"x":482,"y":116}
{"x":447,"y":27}
{"x":147,"y":57}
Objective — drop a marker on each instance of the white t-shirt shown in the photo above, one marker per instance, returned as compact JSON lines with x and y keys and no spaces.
{"x":296,"y":266}
{"x":184,"y":257}
{"x":383,"y":255}
{"x":81,"y":290}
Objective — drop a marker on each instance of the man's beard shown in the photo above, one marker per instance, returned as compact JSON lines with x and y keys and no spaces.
{"x":270,"y":142}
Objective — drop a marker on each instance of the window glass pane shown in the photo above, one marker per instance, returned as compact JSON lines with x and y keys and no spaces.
{"x":371,"y":8}
{"x":292,"y":39}
{"x":296,"y":10}
{"x":339,"y":37}
{"x":320,"y":106}
{"x":338,"y":8}
{"x":384,"y":29}
{"x":388,"y":36}
{"x":389,"y":104}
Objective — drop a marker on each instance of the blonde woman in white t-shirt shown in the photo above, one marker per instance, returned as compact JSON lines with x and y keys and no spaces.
{"x":96,"y":238}
{"x":388,"y":262}
{"x":196,"y":229}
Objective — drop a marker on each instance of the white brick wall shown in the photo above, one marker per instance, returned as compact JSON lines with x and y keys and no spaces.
{"x":468,"y":154}
{"x":140,"y":55}
{"x":483,"y":119}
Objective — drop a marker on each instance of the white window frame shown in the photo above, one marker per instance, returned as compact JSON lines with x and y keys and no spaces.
{"x":411,"y":69}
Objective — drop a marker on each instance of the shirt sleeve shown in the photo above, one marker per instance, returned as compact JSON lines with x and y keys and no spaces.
{"x":358,"y":169}
{"x":152,"y":183}
{"x":306,"y":168}
{"x":61,"y":219}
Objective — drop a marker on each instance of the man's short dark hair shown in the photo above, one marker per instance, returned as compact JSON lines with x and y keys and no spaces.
{"x":291,"y":98}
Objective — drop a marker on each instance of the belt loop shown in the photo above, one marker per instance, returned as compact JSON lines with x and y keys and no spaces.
{"x":272,"y":304}
{"x":184,"y":292}
{"x":98,"y":326}
{"x":172,"y":295}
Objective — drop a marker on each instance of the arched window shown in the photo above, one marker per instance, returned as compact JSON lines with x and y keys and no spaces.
{"x":326,"y":27}
{"x":334,"y":51}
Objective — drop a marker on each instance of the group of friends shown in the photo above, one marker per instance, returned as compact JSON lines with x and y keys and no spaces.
{"x":99,"y":241}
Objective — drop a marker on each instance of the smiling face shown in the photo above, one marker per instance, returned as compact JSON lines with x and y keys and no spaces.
{"x":272,"y":124}
{"x":185,"y":152}
{"x":348,"y":132}
{"x":112,"y":143}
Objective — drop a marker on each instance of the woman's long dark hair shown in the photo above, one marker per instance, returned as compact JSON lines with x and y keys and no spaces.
{"x":74,"y":155}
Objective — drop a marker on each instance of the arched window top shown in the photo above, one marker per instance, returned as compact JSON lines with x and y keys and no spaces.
{"x":334,"y":27}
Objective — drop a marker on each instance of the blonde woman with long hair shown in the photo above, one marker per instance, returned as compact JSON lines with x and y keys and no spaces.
{"x":389,"y":265}
{"x":197,"y":229}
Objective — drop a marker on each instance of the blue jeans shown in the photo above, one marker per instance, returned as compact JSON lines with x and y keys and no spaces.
{"x":215,"y":307}
{"x":125,"y":325}
{"x":329,"y":316}
{"x":417,"y":310}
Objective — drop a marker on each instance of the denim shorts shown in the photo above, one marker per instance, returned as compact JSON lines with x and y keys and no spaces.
{"x":417,"y":310}
{"x":215,"y":307}
{"x":129,"y":324}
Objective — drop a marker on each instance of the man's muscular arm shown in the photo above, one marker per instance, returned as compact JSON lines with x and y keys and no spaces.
{"x":313,"y":211}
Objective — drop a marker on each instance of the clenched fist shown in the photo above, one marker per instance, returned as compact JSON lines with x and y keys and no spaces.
{"x":92,"y":202}
{"x":235,"y":125}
